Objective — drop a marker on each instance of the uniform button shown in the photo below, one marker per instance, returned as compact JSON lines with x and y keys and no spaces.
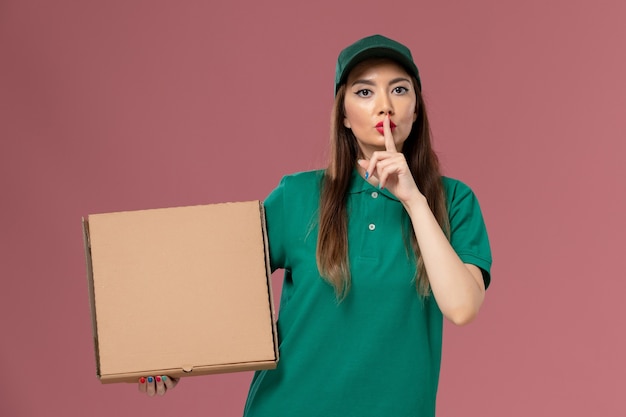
{"x":372,"y":226}
{"x":374,"y":194}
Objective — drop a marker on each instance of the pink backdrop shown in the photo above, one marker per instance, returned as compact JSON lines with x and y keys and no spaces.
{"x":121,"y":105}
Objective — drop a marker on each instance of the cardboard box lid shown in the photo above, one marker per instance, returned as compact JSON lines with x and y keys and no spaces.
{"x":179,"y":290}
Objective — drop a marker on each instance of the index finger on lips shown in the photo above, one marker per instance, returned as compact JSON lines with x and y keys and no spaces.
{"x":390,"y":145}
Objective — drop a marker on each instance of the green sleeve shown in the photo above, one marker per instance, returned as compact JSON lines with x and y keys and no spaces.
{"x":274,"y":216}
{"x":468,"y":233}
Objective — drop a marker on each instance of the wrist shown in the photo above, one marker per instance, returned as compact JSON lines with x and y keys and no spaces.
{"x":416,"y":204}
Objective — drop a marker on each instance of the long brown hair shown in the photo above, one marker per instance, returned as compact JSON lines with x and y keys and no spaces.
{"x":332,"y":241}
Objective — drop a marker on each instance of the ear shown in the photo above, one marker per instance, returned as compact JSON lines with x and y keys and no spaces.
{"x":346,"y":123}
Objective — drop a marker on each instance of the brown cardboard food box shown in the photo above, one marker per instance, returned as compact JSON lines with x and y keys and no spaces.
{"x":180,"y":291}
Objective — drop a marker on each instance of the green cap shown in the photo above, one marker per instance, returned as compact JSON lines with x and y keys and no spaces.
{"x":375,"y":46}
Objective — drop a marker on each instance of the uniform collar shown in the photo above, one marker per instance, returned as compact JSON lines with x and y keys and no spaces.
{"x":359,"y":185}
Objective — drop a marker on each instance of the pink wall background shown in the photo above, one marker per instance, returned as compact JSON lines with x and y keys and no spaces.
{"x":123,"y":105}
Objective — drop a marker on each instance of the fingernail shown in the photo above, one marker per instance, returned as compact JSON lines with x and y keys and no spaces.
{"x":142,"y":380}
{"x":367,"y":174}
{"x":164,"y":378}
{"x":380,"y":187}
{"x":150,"y":379}
{"x":158,"y":378}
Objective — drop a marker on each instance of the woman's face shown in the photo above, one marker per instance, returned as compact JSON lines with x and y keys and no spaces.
{"x":374,"y":89}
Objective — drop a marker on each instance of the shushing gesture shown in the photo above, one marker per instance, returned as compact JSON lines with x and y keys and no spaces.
{"x":390,"y":168}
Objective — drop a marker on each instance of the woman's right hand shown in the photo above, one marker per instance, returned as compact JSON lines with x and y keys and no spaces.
{"x":158,"y":385}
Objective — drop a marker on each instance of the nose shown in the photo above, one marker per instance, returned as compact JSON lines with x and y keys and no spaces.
{"x":384,"y":104}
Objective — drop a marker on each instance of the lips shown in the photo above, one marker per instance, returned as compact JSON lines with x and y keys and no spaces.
{"x":380,"y":128}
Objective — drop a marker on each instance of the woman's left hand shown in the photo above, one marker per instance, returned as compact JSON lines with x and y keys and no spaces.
{"x":158,"y":385}
{"x":391,"y":169}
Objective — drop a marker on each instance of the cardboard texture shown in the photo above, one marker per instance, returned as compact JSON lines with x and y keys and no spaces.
{"x":180,"y":291}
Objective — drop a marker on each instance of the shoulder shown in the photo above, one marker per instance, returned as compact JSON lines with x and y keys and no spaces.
{"x":455,"y":188}
{"x":304,"y":179}
{"x":461,"y":199}
{"x":300,"y":185}
{"x":297,"y":190}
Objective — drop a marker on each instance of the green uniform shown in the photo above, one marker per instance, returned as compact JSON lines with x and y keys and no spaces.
{"x":378,"y":352}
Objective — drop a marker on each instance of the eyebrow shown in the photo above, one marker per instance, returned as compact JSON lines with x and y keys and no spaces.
{"x":372,"y":83}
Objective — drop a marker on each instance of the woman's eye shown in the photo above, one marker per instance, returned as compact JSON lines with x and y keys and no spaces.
{"x":364,"y":93}
{"x":400,"y":90}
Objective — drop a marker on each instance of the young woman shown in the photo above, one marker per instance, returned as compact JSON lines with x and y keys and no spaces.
{"x":377,"y":249}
